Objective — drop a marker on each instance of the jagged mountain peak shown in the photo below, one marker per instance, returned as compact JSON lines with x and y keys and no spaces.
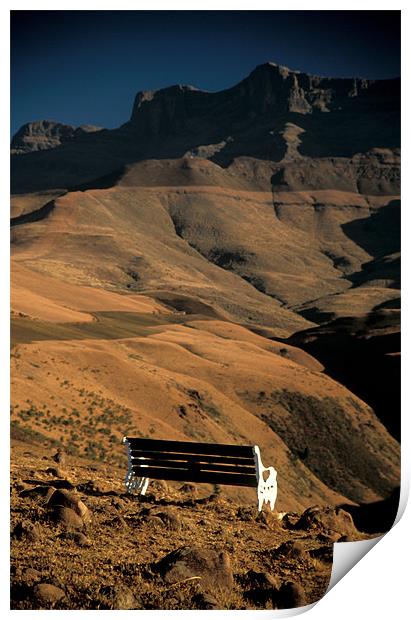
{"x":46,"y":134}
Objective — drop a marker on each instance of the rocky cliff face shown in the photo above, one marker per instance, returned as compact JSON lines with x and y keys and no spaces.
{"x":275,"y":115}
{"x":44,"y":135}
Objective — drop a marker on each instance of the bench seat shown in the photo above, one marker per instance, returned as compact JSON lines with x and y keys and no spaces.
{"x":187,"y":461}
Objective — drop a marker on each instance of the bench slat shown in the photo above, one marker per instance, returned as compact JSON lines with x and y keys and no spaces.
{"x":195,"y":466}
{"x":190,"y":447}
{"x":173,"y":456}
{"x":186,"y":475}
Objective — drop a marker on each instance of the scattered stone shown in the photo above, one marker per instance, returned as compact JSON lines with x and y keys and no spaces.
{"x":330,"y":537}
{"x":260,"y":579}
{"x":345,"y":539}
{"x":154,"y":520}
{"x":45,"y":594}
{"x":188,"y":489}
{"x":77,"y":537}
{"x":30,"y":531}
{"x":159,"y":485}
{"x":36,"y":492}
{"x":269,"y":519}
{"x":325,"y":554}
{"x":329,"y":519}
{"x":290,"y":519}
{"x":120,"y":597}
{"x":170,"y":519}
{"x":212,"y":567}
{"x":81,"y":540}
{"x":56,"y":472}
{"x":259,"y":587}
{"x":67,"y":518}
{"x":118,"y":522}
{"x":62,"y":484}
{"x":289,"y":596}
{"x":204,"y":600}
{"x":246,"y":513}
{"x":118,"y":504}
{"x":31,"y":576}
{"x":20,"y":486}
{"x":291,"y":549}
{"x":62,"y":497}
{"x":59,"y":457}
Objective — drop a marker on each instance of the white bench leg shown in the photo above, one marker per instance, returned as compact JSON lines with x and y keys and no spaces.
{"x":133,"y":483}
{"x":267,"y":489}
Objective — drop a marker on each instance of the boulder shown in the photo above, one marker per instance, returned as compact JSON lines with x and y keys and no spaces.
{"x":57,"y":472}
{"x":37,"y":491}
{"x":204,"y":600}
{"x":46,"y":595}
{"x":292,"y":549}
{"x":31,"y":576}
{"x":289,"y":596}
{"x":212,"y":567}
{"x":67,"y":499}
{"x":67,"y":518}
{"x":188,"y":489}
{"x":260,"y":579}
{"x":170,"y":519}
{"x":120,"y":596}
{"x":259,"y":587}
{"x":77,"y":537}
{"x":327,"y":519}
{"x":159,"y":485}
{"x":27,"y":530}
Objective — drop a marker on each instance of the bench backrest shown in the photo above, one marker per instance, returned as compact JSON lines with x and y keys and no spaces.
{"x":193,"y":462}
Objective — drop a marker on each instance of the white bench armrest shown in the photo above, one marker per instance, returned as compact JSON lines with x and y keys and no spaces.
{"x":267,"y":489}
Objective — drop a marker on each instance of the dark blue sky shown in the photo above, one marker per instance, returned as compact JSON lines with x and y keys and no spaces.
{"x":86,"y":66}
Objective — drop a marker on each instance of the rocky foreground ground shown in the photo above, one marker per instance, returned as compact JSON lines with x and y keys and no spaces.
{"x":80,"y":542}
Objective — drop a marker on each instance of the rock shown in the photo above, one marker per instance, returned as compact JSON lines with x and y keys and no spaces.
{"x":204,"y":600}
{"x":214,"y":568}
{"x":170,"y":519}
{"x":31,"y":576}
{"x":329,"y":537}
{"x":67,"y":518}
{"x":289,"y":596}
{"x":47,"y":595}
{"x":62,"y":497}
{"x":268,"y":518}
{"x":57,"y":472}
{"x":62,"y":484}
{"x":292,"y":549}
{"x":36,"y":492}
{"x":30,"y":531}
{"x":120,"y":597}
{"x":118,"y":522}
{"x":259,"y":587}
{"x":260,"y":579}
{"x":327,"y":519}
{"x":20,"y":486}
{"x":118,"y":504}
{"x":246,"y":513}
{"x":345,"y":539}
{"x":44,"y":134}
{"x":59,"y":457}
{"x":77,"y":537}
{"x":188,"y":489}
{"x":325,"y":553}
{"x":154,"y":520}
{"x":81,"y":540}
{"x":159,"y":485}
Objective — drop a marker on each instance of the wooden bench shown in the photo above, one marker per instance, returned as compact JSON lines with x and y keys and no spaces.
{"x":187,"y":461}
